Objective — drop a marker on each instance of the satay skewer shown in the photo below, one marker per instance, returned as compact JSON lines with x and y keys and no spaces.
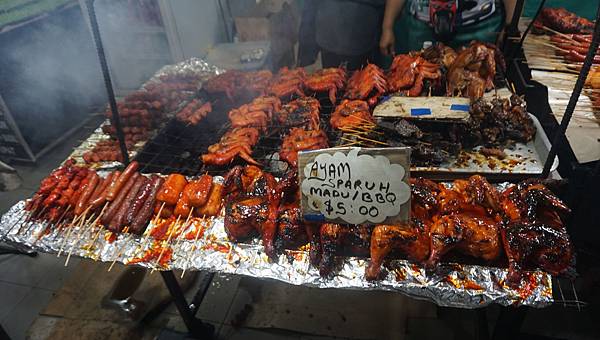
{"x":182,"y":234}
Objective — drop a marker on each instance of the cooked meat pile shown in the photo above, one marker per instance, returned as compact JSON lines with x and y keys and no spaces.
{"x":561,"y":20}
{"x":496,"y":124}
{"x":471,"y":218}
{"x":500,"y":122}
{"x":440,"y":54}
{"x":194,"y":112}
{"x":328,"y":80}
{"x":299,"y":139}
{"x":474,"y":219}
{"x":472,"y":72}
{"x":303,"y":111}
{"x":408,"y":74}
{"x":351,"y":114}
{"x":368,"y":84}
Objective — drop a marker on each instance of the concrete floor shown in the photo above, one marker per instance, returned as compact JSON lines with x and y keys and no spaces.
{"x":28,"y":284}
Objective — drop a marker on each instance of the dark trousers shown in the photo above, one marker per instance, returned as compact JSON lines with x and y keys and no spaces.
{"x":352,"y":62}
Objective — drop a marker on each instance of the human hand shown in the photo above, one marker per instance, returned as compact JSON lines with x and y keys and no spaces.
{"x":387,"y":42}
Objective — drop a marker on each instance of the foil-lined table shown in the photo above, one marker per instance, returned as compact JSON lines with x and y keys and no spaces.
{"x":451,"y":285}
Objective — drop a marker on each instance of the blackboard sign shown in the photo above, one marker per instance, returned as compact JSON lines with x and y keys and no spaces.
{"x":355,"y":185}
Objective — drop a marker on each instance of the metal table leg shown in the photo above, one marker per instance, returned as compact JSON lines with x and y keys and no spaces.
{"x":196,"y":327}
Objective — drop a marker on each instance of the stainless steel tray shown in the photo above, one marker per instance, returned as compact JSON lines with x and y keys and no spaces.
{"x":522,"y":161}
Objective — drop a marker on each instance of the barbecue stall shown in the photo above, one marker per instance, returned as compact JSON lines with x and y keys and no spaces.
{"x":206,"y":169}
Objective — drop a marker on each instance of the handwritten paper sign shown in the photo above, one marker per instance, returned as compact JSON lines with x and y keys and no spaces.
{"x":355,"y":185}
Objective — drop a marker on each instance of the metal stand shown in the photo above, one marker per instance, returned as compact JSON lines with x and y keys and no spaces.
{"x":195,"y":326}
{"x":4,"y":250}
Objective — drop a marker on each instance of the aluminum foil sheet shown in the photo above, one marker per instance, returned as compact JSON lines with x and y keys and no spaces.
{"x":452,"y":285}
{"x":193,"y":66}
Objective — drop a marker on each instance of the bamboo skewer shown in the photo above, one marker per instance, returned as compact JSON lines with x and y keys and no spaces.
{"x":125,"y":231}
{"x":191,"y":252}
{"x":182,"y":234}
{"x":162,"y":251}
{"x":81,"y":227}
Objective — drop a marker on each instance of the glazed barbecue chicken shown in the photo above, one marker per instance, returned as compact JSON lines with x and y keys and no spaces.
{"x":194,"y":112}
{"x":336,"y":239}
{"x":292,"y":231}
{"x":288,"y":82}
{"x":350,"y":114}
{"x":411,"y":239}
{"x":327,"y":80}
{"x":368,"y":84}
{"x":257,"y":114}
{"x":473,"y":71}
{"x":234,"y":143}
{"x":252,"y":205}
{"x":440,"y":54}
{"x":299,"y":139}
{"x":561,"y":20}
{"x":534,"y":235}
{"x":462,"y":218}
{"x":303,"y":111}
{"x":408,"y":74}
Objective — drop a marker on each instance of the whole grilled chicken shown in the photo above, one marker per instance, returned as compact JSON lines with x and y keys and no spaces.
{"x":534,"y":235}
{"x":252,"y":205}
{"x":412,"y":239}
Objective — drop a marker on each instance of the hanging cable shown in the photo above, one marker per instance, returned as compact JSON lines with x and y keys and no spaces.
{"x":585,"y":70}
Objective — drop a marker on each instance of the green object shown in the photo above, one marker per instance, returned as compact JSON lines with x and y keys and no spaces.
{"x":411,"y":33}
{"x":583,"y":8}
{"x":14,"y":11}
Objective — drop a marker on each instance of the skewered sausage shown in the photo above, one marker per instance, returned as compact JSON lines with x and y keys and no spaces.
{"x":171,"y":189}
{"x":165,"y":212}
{"x":87,"y":193}
{"x":116,"y":203}
{"x":140,"y":220}
{"x":101,"y":198}
{"x":139,"y":201}
{"x":116,"y":224}
{"x":120,"y":182}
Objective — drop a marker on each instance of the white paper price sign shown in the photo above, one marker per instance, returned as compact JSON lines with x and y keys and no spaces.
{"x":355,"y":185}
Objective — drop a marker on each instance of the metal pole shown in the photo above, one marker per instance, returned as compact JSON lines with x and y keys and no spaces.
{"x":196,"y":327}
{"x":107,"y":80}
{"x":564,"y":123}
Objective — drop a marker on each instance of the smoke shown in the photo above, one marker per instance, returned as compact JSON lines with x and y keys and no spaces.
{"x":50,"y":76}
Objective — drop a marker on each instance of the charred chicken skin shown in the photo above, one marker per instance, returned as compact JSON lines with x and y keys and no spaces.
{"x":301,"y":140}
{"x":367,"y":84}
{"x":232,"y":82}
{"x":252,"y":205}
{"x":534,"y":235}
{"x":327,"y":80}
{"x":236,"y":142}
{"x":473,"y":71}
{"x":408,"y":73}
{"x":351,"y":113}
{"x":302,"y":111}
{"x":288,"y":82}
